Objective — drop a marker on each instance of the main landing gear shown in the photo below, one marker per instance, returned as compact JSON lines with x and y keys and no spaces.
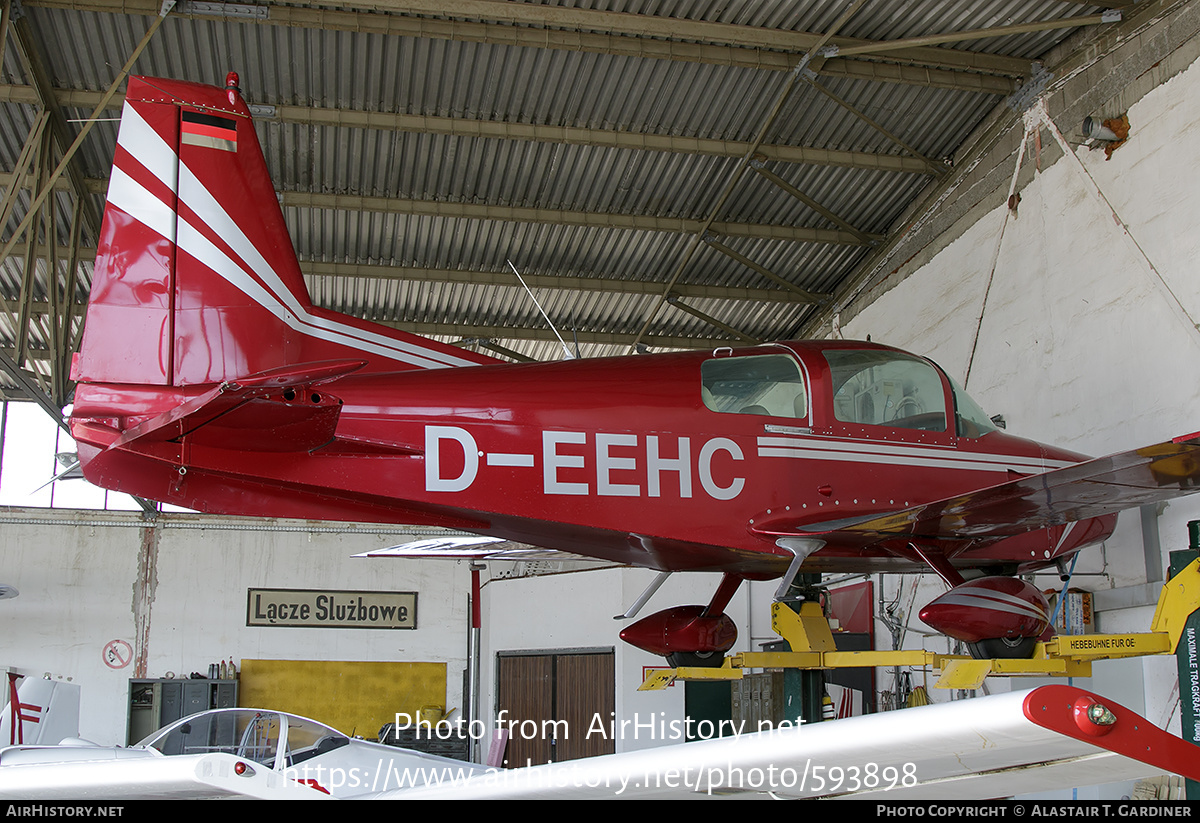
{"x":998,"y":618}
{"x":699,"y":636}
{"x":809,"y":637}
{"x":688,"y":635}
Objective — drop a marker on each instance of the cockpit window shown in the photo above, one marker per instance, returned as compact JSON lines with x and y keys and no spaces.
{"x":768,"y":384}
{"x":969,"y":419}
{"x":884,"y":388}
{"x":274,"y":739}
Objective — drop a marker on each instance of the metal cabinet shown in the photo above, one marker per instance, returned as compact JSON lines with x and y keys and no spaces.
{"x":155,"y":703}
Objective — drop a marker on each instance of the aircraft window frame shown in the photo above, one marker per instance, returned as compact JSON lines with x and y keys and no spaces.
{"x":768,"y":385}
{"x":891,"y":390}
{"x":970,"y":420}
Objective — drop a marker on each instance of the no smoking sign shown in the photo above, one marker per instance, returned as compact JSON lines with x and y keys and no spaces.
{"x":117,"y":654}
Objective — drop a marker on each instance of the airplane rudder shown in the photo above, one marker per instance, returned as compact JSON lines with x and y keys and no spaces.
{"x":196,"y":280}
{"x":127,"y":330}
{"x":195,"y":275}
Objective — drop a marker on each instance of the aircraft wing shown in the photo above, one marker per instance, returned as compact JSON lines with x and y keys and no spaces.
{"x":477,"y":548}
{"x":124,"y":774}
{"x":986,"y":747}
{"x":1093,"y":488}
{"x":1048,"y":738}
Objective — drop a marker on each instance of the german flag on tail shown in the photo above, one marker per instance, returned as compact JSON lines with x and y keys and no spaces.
{"x":209,"y":130}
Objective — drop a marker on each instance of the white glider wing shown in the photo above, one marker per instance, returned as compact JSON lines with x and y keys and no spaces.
{"x":125,"y":774}
{"x":1052,"y":737}
{"x":987,"y":747}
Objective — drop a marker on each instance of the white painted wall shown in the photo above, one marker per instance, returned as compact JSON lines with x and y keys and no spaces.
{"x":77,"y":588}
{"x":1080,"y":344}
{"x":76,"y":592}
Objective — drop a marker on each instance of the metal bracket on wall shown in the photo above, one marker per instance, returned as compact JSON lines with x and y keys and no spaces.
{"x":1023,"y":98}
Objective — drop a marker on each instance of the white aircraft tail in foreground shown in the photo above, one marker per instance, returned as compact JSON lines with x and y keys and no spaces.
{"x":38,"y":711}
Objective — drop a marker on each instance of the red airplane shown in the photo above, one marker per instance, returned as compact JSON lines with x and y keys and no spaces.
{"x":207,"y":379}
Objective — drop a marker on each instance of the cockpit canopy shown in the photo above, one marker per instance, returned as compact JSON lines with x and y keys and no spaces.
{"x":273,"y":739}
{"x":868,"y":387}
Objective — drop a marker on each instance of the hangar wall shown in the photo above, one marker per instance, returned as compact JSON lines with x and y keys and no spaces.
{"x":1085,"y":339}
{"x":88,"y":578}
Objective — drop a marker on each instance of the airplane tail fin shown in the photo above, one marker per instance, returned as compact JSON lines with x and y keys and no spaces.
{"x":39,"y":712}
{"x":196,"y":281}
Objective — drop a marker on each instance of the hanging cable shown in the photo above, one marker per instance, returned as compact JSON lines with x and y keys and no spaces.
{"x":1030,"y":125}
{"x":1149,"y":269}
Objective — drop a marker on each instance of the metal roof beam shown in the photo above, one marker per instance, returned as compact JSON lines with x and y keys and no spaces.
{"x":27,"y":385}
{"x":931,"y":165}
{"x":491,"y":333}
{"x":763,"y":171}
{"x":673,"y":300}
{"x":542,"y":281}
{"x":34,"y":65}
{"x":423,"y":274}
{"x":978,"y":34}
{"x":5,"y":20}
{"x":563,"y":217}
{"x":709,"y":226}
{"x":1140,"y":16}
{"x":48,"y":185}
{"x":801,"y":294}
{"x":575,"y":21}
{"x":459,"y":330}
{"x":601,"y":138}
{"x":25,"y":162}
{"x":616,"y":33}
{"x":522,"y":214}
{"x":37,"y":354}
{"x":498,"y":130}
{"x":493,"y":346}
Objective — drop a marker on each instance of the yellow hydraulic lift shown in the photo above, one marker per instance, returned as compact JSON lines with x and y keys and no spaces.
{"x":811,"y":639}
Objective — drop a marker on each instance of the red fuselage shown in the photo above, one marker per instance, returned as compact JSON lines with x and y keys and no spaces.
{"x":208,"y":379}
{"x":620,"y":458}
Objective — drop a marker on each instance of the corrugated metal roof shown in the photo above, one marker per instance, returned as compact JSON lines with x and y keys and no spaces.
{"x":596,"y":76}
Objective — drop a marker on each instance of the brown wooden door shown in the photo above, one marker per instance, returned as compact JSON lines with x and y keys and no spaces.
{"x":585,"y":699}
{"x":550,"y":702}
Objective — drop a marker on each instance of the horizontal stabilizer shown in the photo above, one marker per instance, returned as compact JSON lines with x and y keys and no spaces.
{"x":1093,"y":488}
{"x":273,"y":411}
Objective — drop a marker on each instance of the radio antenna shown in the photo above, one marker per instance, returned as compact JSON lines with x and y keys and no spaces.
{"x":566,"y":350}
